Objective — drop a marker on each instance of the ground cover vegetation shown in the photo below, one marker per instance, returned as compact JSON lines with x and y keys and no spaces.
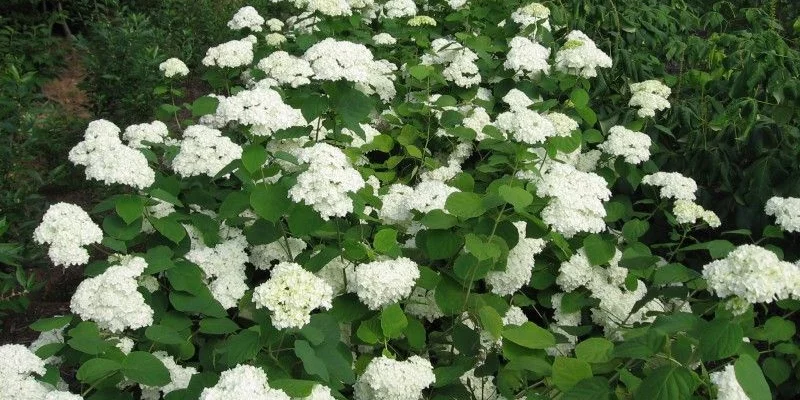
{"x":320,"y":199}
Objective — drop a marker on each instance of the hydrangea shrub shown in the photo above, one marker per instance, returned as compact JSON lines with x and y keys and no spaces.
{"x":401,"y":200}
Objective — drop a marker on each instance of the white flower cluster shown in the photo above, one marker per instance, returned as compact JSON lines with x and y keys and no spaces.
{"x":381,"y":283}
{"x":605,"y":284}
{"x":136,"y":135}
{"x":519,"y":266}
{"x":525,"y":126}
{"x":650,"y":96}
{"x":527,"y":58}
{"x":384,"y":39}
{"x":562,"y":319}
{"x":263,"y":255}
{"x":385,"y":379}
{"x":17,"y":367}
{"x":688,"y":212}
{"x":286,"y":69}
{"x":108,"y":160}
{"x":753,"y":274}
{"x":517,"y":99}
{"x":333,"y":60}
{"x":634,"y":147}
{"x":476,"y":119}
{"x":456,"y":4}
{"x":532,"y":14}
{"x":223,"y":264}
{"x":370,"y":134}
{"x":326,"y":183}
{"x":563,"y":123}
{"x":786,"y":211}
{"x":446,"y":172}
{"x":204,"y":151}
{"x":728,"y":387}
{"x":400,"y":8}
{"x":243,"y":382}
{"x":261,"y":108}
{"x":421,"y":20}
{"x":673,"y":185}
{"x":232,"y":54}
{"x":580,"y":56}
{"x":247,"y":17}
{"x":275,"y":39}
{"x":291,"y":293}
{"x":514,"y":316}
{"x":576,"y":199}
{"x":111,"y":299}
{"x":274,"y":24}
{"x":67,"y":228}
{"x":179,"y":377}
{"x":458,"y":60}
{"x":173,"y":67}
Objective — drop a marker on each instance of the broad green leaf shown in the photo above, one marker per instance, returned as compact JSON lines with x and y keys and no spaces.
{"x":293,"y":387}
{"x":716,"y":248}
{"x":85,"y":337}
{"x":598,"y":250}
{"x":385,"y":242}
{"x":204,"y":105}
{"x":218,"y":326}
{"x":393,"y":321}
{"x":129,"y":207}
{"x":415,"y":334}
{"x":143,"y":367}
{"x":438,"y":219}
{"x":465,"y":205}
{"x":170,"y":228}
{"x":48,"y":324}
{"x":482,"y":250}
{"x":96,"y":369}
{"x":311,"y":362}
{"x":595,"y":388}
{"x":634,"y":229}
{"x":776,"y":369}
{"x":719,"y":339}
{"x":516,"y":196}
{"x":270,"y":201}
{"x":439,"y":244}
{"x":776,"y":329}
{"x":594,"y":350}
{"x":671,"y":382}
{"x":163,"y":334}
{"x":491,"y":321}
{"x":530,"y":335}
{"x":253,"y":157}
{"x":304,"y":220}
{"x":450,"y":296}
{"x":569,"y":371}
{"x":579,"y":97}
{"x":751,"y":379}
{"x":241,"y":347}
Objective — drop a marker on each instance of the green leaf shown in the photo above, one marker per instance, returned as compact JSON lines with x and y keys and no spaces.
{"x":420,"y":72}
{"x":776,"y":369}
{"x":516,"y":196}
{"x":218,"y":326}
{"x":385,"y":242}
{"x":253,"y":157}
{"x":304,"y":220}
{"x":48,"y":324}
{"x":241,"y":347}
{"x":393,"y":321}
{"x":270,"y":201}
{"x":438,"y":219}
{"x":439,"y":244}
{"x":634,"y":229}
{"x":450,"y":296}
{"x":569,"y":371}
{"x":293,"y":387}
{"x":464,"y":205}
{"x":598,"y":250}
{"x":145,"y":368}
{"x":415,"y":334}
{"x":719,"y":339}
{"x":594,"y":350}
{"x":351,"y":105}
{"x":311,"y":362}
{"x":579,"y":97}
{"x":170,"y":228}
{"x":530,"y":335}
{"x":673,"y":273}
{"x":162,"y":194}
{"x":85,"y":337}
{"x":96,"y":369}
{"x":716,"y":248}
{"x":776,"y":329}
{"x":595,"y":388}
{"x":491,"y":321}
{"x":369,"y":331}
{"x":667,"y":383}
{"x":129,"y":207}
{"x":481,"y":249}
{"x":158,"y":259}
{"x":163,"y":334}
{"x":204,"y":105}
{"x":751,"y":379}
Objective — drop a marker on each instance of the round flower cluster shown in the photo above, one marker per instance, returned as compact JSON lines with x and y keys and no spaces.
{"x":247,"y":17}
{"x":421,"y":20}
{"x":232,"y":54}
{"x":687,"y":212}
{"x":673,"y":185}
{"x":527,"y":58}
{"x":519,"y":266}
{"x":580,"y":56}
{"x":384,"y":39}
{"x":576,"y":199}
{"x":400,"y":8}
{"x":108,"y":160}
{"x":786,"y":211}
{"x":563,"y":123}
{"x":67,"y":228}
{"x":112,"y":300}
{"x":532,"y":14}
{"x":204,"y":151}
{"x":17,"y":367}
{"x":243,"y":382}
{"x":525,"y":126}
{"x":138,"y":135}
{"x":223,"y":264}
{"x":458,"y":60}
{"x":727,"y":386}
{"x":634,"y":147}
{"x":381,"y":283}
{"x":753,"y":274}
{"x":173,"y":67}
{"x":261,"y":108}
{"x":650,"y":96}
{"x":291,"y":293}
{"x":285,"y":69}
{"x":333,"y":60}
{"x":326,"y":183}
{"x":385,"y":379}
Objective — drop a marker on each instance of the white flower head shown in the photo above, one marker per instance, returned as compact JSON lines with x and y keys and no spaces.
{"x":204,"y":151}
{"x":385,"y":379}
{"x":786,"y":211}
{"x":247,"y":17}
{"x":67,"y":228}
{"x":136,"y":135}
{"x":384,"y":39}
{"x":650,"y":96}
{"x":580,"y":56}
{"x":519,"y":267}
{"x":632,"y":146}
{"x":527,"y":58}
{"x":243,"y":382}
{"x":291,"y":293}
{"x":576,"y":203}
{"x":673,"y":185}
{"x":173,"y":67}
{"x":728,"y":387}
{"x":235,"y":53}
{"x":381,"y":283}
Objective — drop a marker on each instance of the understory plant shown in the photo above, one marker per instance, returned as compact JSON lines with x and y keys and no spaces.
{"x":404,"y":200}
